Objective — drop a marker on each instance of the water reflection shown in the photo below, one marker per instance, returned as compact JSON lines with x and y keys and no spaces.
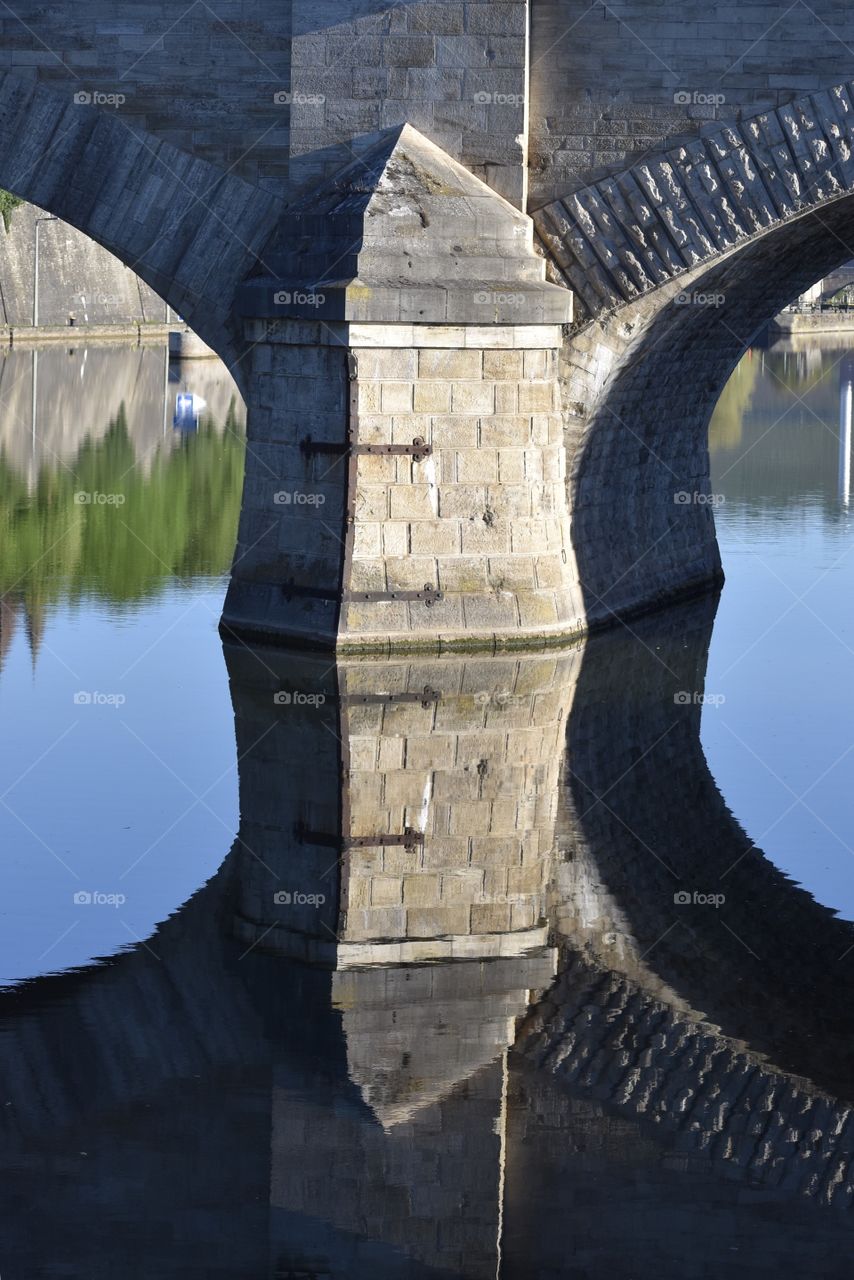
{"x":101,"y":499}
{"x":779,"y":744}
{"x":443,"y":1011}
{"x":116,"y":533}
{"x":774,"y":435}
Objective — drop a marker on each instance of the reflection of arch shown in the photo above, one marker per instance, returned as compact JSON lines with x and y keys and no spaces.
{"x":190,"y":230}
{"x":727,"y":1026}
{"x":647,"y":821}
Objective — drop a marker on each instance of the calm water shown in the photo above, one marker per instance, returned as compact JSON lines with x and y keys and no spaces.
{"x":635,"y":1061}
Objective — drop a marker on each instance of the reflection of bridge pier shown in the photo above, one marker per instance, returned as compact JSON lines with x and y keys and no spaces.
{"x":415,"y":815}
{"x":408,"y":844}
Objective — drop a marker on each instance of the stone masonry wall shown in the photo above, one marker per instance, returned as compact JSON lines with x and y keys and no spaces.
{"x":613,"y":82}
{"x":203,"y":80}
{"x":482,"y":519}
{"x":457,"y":72}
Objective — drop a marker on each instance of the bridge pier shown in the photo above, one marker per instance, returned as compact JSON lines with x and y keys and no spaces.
{"x":405,"y":483}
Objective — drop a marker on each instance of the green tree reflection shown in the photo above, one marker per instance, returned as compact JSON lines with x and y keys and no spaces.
{"x":173,"y":516}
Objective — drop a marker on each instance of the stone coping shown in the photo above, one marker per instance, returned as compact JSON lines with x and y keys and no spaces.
{"x":456,"y":336}
{"x":338,"y":954}
{"x":475,"y":302}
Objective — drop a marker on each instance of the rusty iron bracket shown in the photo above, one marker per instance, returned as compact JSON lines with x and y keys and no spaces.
{"x":409,"y":839}
{"x":427,"y":697}
{"x":418,"y":450}
{"x":428,"y":595}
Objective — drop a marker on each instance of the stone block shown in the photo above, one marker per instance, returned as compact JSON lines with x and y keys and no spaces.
{"x":436,"y":922}
{"x":386,"y":891}
{"x":395,"y":538}
{"x":479,"y":538}
{"x":488,"y":917}
{"x":410,"y":51}
{"x":432,"y":397}
{"x":397,"y":364}
{"x":474,"y":465}
{"x":372,"y":502}
{"x":376,"y":469}
{"x":511,"y":466}
{"x":459,"y":432}
{"x":413,"y":502}
{"x":508,"y":430}
{"x":536,"y":397}
{"x":473,"y":397}
{"x":462,"y":886}
{"x":410,"y":573}
{"x":506,"y":397}
{"x":396,"y":397}
{"x":464,"y":573}
{"x":421,"y":890}
{"x":367,"y":538}
{"x":436,"y":537}
{"x":376,"y":922}
{"x":449,"y":365}
{"x":504,"y":366}
{"x":487,"y":613}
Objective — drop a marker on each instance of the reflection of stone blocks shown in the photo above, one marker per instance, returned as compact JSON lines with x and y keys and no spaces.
{"x":418,"y":799}
{"x":478,"y":784}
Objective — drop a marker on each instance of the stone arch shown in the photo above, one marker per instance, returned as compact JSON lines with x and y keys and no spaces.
{"x":759,"y":212}
{"x":189,"y":229}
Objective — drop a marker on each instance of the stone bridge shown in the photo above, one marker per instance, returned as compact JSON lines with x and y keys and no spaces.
{"x":462,"y":434}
